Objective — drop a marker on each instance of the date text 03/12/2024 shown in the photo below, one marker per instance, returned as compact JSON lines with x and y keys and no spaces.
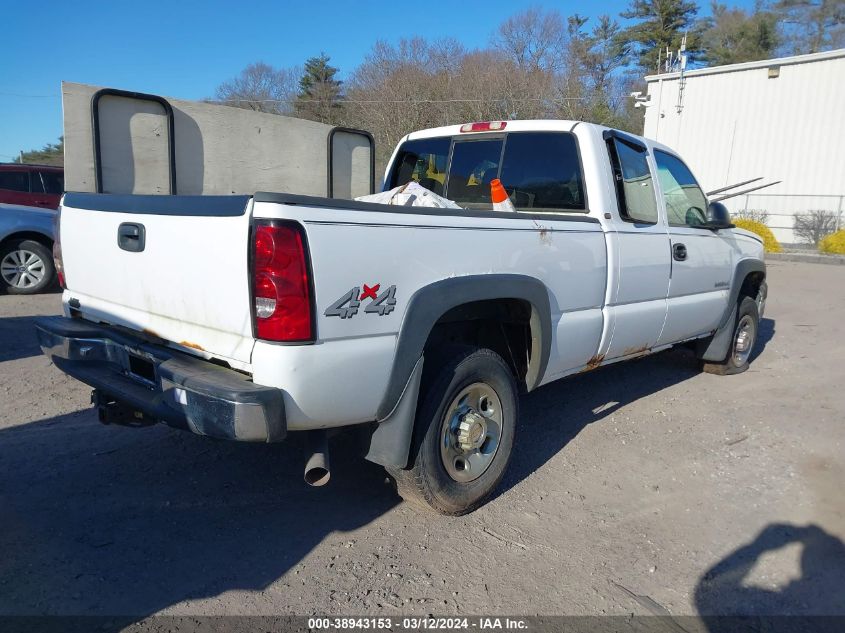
{"x":418,"y":623}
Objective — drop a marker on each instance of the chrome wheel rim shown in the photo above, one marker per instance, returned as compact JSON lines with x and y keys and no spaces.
{"x":746,"y":332}
{"x":471,"y":432}
{"x":22,"y":269}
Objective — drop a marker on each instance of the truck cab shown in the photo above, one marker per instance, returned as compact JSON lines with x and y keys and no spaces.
{"x":669,"y":276}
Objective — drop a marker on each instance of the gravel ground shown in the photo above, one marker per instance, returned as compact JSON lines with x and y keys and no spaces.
{"x":645,"y":487}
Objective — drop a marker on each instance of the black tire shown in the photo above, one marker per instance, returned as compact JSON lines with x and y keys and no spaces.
{"x":736,"y":362}
{"x":19,"y":250}
{"x":427,"y":482}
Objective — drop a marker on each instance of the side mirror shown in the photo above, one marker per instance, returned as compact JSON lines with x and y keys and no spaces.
{"x":717,"y":217}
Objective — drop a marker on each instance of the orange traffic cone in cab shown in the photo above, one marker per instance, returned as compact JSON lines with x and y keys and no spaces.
{"x":501,"y":202}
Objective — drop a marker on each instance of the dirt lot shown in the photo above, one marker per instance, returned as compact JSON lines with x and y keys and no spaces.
{"x":645,"y":487}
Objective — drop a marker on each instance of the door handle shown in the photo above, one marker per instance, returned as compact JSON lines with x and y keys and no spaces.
{"x":131,"y":237}
{"x":679,"y":252}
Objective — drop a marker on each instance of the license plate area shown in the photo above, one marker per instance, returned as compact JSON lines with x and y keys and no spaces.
{"x":141,"y":369}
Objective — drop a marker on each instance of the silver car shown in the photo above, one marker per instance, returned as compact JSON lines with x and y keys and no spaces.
{"x":26,"y":249}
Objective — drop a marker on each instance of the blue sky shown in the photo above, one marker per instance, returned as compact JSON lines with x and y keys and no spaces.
{"x":185,"y":48}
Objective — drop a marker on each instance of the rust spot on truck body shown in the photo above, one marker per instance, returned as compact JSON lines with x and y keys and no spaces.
{"x":635,"y":351}
{"x":544,"y":232}
{"x":192,"y":345}
{"x":593,"y":363}
{"x":545,"y":236}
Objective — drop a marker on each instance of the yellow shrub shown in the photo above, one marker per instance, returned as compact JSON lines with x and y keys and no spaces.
{"x":770,"y":243}
{"x":833,"y":243}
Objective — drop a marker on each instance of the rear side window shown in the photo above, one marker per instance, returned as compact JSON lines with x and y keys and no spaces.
{"x":54,"y":182}
{"x":634,"y":184}
{"x":541,"y":170}
{"x":14,"y":180}
{"x":423,"y":161}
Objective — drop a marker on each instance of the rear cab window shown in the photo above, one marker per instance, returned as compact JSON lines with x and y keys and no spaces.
{"x":424,"y":161}
{"x":54,"y":182}
{"x":17,"y":180}
{"x":541,"y":171}
{"x":35,"y":184}
{"x":475,"y":164}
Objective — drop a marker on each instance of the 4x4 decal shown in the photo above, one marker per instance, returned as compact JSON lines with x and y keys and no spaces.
{"x":347,"y":306}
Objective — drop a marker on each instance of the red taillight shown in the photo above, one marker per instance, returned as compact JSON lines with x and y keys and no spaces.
{"x":484,"y":126}
{"x":57,"y":249}
{"x":281,"y":287}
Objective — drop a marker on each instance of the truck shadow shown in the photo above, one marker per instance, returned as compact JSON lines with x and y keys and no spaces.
{"x":553,"y":415}
{"x":723,"y":594}
{"x":98,"y":520}
{"x":17,"y":338}
{"x":764,"y":335}
{"x":105,"y":520}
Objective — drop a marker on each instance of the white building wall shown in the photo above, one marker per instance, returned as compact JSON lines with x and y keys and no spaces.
{"x":738,"y":123}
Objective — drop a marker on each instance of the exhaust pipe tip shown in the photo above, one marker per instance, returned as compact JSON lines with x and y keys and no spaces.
{"x":317,"y":471}
{"x":317,"y":476}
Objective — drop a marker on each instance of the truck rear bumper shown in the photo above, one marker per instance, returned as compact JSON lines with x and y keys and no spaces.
{"x":162,"y":384}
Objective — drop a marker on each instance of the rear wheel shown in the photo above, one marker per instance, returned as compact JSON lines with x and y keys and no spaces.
{"x":746,"y":326}
{"x":26,"y":267}
{"x":464,"y":432}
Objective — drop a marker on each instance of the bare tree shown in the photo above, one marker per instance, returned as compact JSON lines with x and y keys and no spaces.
{"x":755,"y":215}
{"x":416,"y":84}
{"x":399,"y":88}
{"x":813,"y":225}
{"x":533,"y":40}
{"x":813,"y":25}
{"x":538,"y":66}
{"x":262,"y":88}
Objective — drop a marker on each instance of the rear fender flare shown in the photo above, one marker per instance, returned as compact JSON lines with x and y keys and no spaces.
{"x":431,"y":302}
{"x":390,"y":441}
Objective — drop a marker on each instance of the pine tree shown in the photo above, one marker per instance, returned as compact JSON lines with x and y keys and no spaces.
{"x":734,"y":36}
{"x":661,"y":24}
{"x":319,"y":92}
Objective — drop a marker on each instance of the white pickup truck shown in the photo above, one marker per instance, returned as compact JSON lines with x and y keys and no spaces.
{"x":248,"y":317}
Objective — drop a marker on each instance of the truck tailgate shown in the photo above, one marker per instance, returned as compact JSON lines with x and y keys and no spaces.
{"x":187,"y":284}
